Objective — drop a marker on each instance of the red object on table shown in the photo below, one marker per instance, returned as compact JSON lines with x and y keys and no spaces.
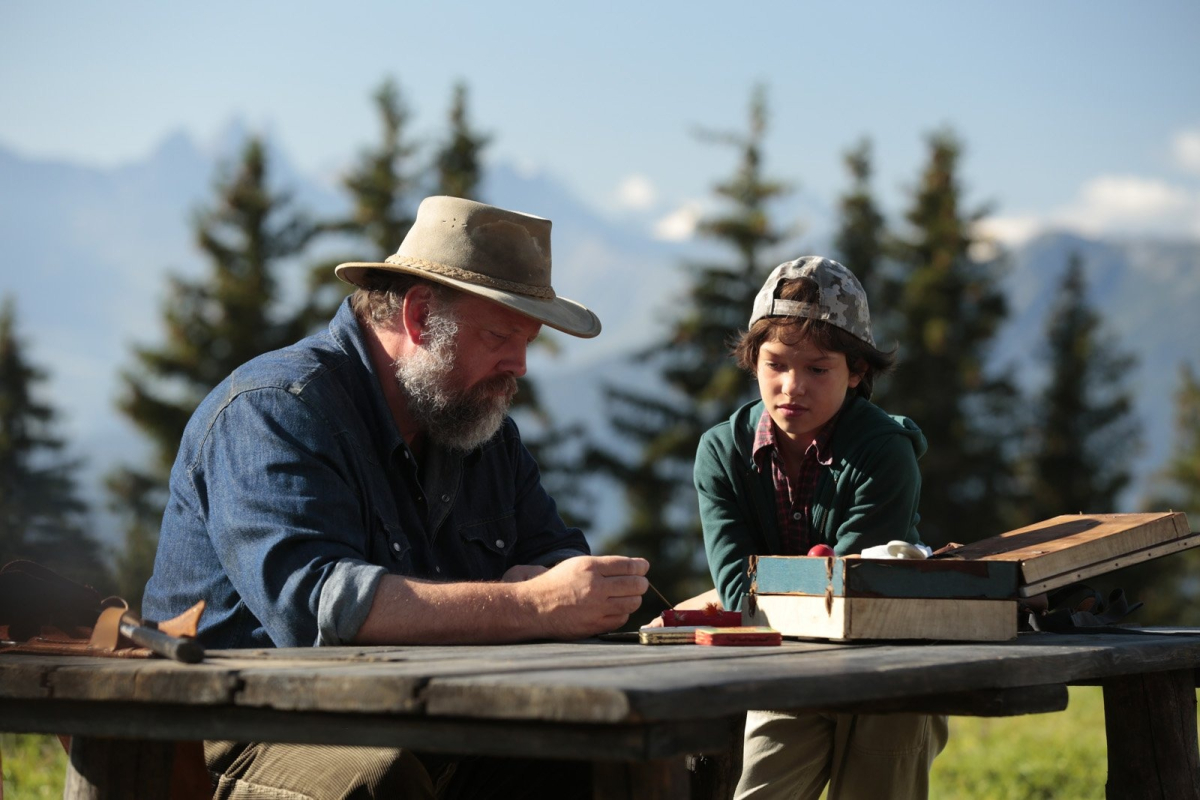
{"x":674,"y":617}
{"x":821,"y":550}
{"x":739,"y":637}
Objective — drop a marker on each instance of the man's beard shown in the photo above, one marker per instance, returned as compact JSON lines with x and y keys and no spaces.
{"x":453,"y":418}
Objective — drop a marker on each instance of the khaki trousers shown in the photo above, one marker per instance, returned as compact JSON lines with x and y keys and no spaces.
{"x":861,"y":756}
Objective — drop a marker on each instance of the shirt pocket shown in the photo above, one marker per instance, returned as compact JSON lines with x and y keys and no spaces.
{"x":394,"y":549}
{"x":488,"y":544}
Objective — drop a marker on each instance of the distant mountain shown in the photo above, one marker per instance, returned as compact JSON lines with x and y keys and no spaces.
{"x":1147,"y":291}
{"x":87,"y":252}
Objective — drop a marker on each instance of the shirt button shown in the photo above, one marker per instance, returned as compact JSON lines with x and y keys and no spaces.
{"x":396,"y":547}
{"x":797,"y":515}
{"x":406,"y":455}
{"x":445,"y":498}
{"x":499,"y":543}
{"x":437,"y":569}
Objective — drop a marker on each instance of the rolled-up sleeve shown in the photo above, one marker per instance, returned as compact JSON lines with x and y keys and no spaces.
{"x":274,"y":486}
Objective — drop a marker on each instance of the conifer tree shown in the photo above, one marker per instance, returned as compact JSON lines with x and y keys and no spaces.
{"x":42,"y":517}
{"x":702,"y":385}
{"x":859,"y":242}
{"x":950,"y":308}
{"x":1084,"y":432}
{"x":1167,"y":586}
{"x":1181,"y":475}
{"x":457,"y":162}
{"x":382,"y":184}
{"x":213,"y":325}
{"x":382,"y":187}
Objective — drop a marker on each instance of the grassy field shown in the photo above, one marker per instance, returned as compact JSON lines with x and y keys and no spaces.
{"x":1010,"y":758}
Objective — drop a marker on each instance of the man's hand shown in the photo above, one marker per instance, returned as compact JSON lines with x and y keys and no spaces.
{"x":522,"y":572}
{"x":587,"y":595}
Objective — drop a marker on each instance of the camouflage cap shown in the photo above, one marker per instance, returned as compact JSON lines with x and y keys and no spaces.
{"x":841,"y":299}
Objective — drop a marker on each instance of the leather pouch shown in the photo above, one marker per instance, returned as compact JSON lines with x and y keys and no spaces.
{"x":43,"y":612}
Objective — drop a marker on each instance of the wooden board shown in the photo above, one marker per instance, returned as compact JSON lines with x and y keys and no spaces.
{"x":854,"y":618}
{"x":1051,"y":552}
{"x":860,"y":577}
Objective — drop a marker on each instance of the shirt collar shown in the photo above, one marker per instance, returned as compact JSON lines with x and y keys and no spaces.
{"x":765,"y":442}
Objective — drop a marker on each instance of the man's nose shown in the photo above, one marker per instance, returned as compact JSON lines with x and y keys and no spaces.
{"x":514,"y":360}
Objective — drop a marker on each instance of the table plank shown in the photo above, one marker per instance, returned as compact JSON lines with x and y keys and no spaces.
{"x":135,"y":720}
{"x":778,"y":678}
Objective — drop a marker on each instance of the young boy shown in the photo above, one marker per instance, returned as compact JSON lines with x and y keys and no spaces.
{"x":814,"y":462}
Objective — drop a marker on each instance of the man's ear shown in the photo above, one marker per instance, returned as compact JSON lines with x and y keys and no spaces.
{"x":415,"y":312}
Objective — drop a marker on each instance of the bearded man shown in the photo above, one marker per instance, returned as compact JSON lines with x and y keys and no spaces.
{"x":366,"y":486}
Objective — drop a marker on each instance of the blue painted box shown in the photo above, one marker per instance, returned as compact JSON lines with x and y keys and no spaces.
{"x":858,"y":577}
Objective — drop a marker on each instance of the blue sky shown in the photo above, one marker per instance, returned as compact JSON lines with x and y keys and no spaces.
{"x":1083,"y":114}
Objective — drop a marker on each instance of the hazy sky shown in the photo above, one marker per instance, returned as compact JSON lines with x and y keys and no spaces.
{"x":1079,"y":113}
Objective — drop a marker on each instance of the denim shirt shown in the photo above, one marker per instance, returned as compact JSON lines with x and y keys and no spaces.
{"x":293,"y":494}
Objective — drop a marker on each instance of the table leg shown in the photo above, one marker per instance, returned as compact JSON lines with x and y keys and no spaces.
{"x":661,"y":779}
{"x":1150,"y":723}
{"x":116,"y":769}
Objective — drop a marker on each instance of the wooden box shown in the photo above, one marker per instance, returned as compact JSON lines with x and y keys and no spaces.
{"x":967,"y":594}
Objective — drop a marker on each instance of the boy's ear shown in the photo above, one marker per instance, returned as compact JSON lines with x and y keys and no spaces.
{"x":858,"y":371}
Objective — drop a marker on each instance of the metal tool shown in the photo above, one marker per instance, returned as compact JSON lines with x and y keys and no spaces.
{"x":178,"y":648}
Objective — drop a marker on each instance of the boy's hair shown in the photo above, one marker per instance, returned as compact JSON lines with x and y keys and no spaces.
{"x":862,"y":358}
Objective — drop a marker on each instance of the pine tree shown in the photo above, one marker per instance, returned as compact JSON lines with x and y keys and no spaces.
{"x":1168,"y":586}
{"x":950,"y":308}
{"x":382,"y":187}
{"x":702,"y":385}
{"x":1084,"y":434}
{"x":213,"y":325}
{"x":457,"y":162}
{"x":859,"y":242}
{"x":42,"y":517}
{"x":382,"y":184}
{"x":1181,"y":475}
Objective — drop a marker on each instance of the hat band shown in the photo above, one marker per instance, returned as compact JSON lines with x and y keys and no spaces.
{"x":545,"y":292}
{"x":794,"y":308}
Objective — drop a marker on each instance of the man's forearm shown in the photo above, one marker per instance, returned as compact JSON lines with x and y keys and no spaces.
{"x":577,"y":598}
{"x":413,"y":611}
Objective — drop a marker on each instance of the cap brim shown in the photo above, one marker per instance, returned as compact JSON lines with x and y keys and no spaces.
{"x":559,"y":313}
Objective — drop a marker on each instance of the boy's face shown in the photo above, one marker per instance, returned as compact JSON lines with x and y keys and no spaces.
{"x":802,"y":387}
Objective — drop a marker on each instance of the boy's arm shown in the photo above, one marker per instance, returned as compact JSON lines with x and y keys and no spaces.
{"x":729,"y":538}
{"x":886,"y":488}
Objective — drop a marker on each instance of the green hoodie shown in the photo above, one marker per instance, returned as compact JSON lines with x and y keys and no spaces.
{"x":867,"y":495}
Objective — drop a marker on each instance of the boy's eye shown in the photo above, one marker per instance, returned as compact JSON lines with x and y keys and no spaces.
{"x":818,"y":370}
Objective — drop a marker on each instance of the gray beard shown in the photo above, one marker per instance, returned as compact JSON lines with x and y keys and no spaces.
{"x":450,"y":417}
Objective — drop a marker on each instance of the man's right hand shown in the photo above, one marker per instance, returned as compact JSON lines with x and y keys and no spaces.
{"x":587,"y":595}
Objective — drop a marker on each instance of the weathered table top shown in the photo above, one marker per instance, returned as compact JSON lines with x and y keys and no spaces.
{"x":636,"y":702}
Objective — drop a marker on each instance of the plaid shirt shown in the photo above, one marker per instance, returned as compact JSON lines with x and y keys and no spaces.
{"x":793,"y":500}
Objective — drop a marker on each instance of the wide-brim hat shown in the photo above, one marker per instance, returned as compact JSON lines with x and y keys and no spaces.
{"x":500,"y":255}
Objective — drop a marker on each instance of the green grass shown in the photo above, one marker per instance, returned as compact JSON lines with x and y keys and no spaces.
{"x":34,"y":766}
{"x":1035,"y":757}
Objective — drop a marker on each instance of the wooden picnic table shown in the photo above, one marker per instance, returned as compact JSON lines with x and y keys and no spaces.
{"x":634,"y":710}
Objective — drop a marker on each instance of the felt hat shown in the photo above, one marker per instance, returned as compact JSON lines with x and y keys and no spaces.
{"x":500,"y":255}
